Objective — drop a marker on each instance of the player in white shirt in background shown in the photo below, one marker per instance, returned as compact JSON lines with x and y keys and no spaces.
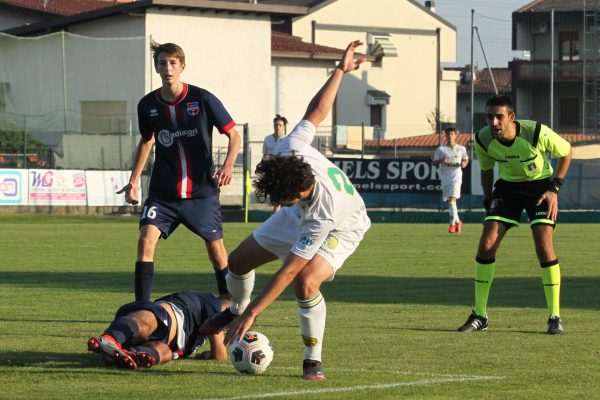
{"x":279,"y":132}
{"x":271,"y":141}
{"x":453,"y":158}
{"x":322,"y":221}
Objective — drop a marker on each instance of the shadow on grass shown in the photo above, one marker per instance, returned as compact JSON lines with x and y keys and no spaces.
{"x":508,"y":292}
{"x":44,"y":359}
{"x":81,"y":361}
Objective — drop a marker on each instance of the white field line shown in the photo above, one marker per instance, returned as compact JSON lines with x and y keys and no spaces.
{"x":359,"y":388}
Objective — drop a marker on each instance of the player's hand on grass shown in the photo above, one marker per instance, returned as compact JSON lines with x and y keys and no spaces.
{"x":205,"y":355}
{"x":237,"y":328}
{"x":131,"y":192}
{"x":552,"y":199}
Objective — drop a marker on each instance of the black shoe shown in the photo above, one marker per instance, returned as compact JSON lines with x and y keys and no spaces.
{"x":474,"y":323}
{"x":312,"y":370}
{"x":217,"y":323}
{"x":555,"y":326}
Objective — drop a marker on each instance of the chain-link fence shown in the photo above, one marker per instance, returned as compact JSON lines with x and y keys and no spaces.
{"x":52,"y":116}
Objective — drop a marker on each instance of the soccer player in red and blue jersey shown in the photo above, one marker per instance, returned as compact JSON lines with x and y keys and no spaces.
{"x":179,"y":119}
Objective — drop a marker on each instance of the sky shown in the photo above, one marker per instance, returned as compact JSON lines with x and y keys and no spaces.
{"x":493,"y":21}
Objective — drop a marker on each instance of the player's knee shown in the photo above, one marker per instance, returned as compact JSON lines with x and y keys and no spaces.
{"x":146,"y":246}
{"x":487,"y":249}
{"x":306,"y":286}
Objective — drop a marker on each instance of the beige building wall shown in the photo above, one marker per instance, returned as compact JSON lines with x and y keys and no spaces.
{"x":410,"y":78}
{"x":296,"y":82}
{"x":448,"y":96}
{"x":587,"y":152}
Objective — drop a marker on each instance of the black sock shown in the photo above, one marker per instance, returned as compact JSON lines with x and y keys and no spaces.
{"x":144,"y":279}
{"x":221,"y":283}
{"x":149,"y":350}
{"x":123,"y":329}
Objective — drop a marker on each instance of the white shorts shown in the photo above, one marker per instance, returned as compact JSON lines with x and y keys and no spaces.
{"x":279,"y":233}
{"x":450,"y":191}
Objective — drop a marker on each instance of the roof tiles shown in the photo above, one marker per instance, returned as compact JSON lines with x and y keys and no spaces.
{"x":559,"y":5}
{"x":285,"y":44}
{"x":483,"y":81}
{"x":61,"y":7}
{"x":433,"y":140}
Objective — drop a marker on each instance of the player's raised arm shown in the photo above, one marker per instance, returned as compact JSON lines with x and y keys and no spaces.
{"x":321,"y":104}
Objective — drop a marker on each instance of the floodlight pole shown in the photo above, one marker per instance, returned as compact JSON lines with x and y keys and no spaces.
{"x":472,"y":90}
{"x":64,"y":68}
{"x":552,"y":69}
{"x":486,"y":62}
{"x":438,"y":72}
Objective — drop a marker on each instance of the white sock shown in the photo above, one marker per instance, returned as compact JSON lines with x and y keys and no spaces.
{"x":313,"y":313}
{"x":453,"y":211}
{"x":240,"y":287}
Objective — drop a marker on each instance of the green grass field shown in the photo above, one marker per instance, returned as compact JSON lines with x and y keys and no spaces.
{"x":392,"y":314}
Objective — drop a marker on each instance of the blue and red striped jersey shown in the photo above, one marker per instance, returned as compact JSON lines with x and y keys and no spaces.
{"x":182,"y":129}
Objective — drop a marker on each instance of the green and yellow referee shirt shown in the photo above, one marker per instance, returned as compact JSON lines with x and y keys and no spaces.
{"x":525,"y":158}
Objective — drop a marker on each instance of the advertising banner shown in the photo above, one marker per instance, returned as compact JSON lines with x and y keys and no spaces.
{"x":13,"y":187}
{"x":103,"y":185}
{"x":395,"y":175}
{"x":57,"y":187}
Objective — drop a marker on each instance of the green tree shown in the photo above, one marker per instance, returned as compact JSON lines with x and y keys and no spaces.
{"x":15,"y":137}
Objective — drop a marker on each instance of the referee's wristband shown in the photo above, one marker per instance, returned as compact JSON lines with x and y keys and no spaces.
{"x":556,"y":184}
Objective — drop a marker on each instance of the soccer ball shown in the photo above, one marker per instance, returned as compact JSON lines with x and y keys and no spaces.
{"x":253,"y":354}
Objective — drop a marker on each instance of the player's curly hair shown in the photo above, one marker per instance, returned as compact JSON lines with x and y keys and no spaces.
{"x":281,"y":179}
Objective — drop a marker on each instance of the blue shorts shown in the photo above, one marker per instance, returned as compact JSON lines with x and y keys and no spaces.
{"x":201,"y":216}
{"x":509,"y":199}
{"x":161,"y":334}
{"x":196,"y":307}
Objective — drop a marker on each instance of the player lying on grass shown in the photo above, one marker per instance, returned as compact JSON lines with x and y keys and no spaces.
{"x":146,"y":333}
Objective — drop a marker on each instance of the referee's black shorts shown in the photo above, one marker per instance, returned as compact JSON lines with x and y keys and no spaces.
{"x":509,"y":199}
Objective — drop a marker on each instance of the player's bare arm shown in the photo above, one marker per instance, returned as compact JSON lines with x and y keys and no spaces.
{"x":141,"y":156}
{"x":487,"y":183}
{"x":217,"y":351}
{"x":224,"y":175}
{"x":321,"y":104}
{"x":442,"y":160}
{"x":292,"y":266}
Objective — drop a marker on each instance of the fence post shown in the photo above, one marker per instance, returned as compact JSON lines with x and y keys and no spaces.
{"x":246,"y":171}
{"x":24,"y":149}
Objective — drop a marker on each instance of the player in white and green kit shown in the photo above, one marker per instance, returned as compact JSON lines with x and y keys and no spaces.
{"x":321,"y":224}
{"x":451,"y":157}
{"x":526,"y":182}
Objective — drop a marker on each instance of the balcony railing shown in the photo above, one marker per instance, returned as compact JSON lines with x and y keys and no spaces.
{"x":539,"y":71}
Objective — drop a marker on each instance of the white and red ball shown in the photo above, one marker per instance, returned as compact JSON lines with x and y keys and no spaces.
{"x":253,"y":354}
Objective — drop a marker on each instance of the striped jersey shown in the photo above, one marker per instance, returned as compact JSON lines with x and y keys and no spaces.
{"x":182,"y":129}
